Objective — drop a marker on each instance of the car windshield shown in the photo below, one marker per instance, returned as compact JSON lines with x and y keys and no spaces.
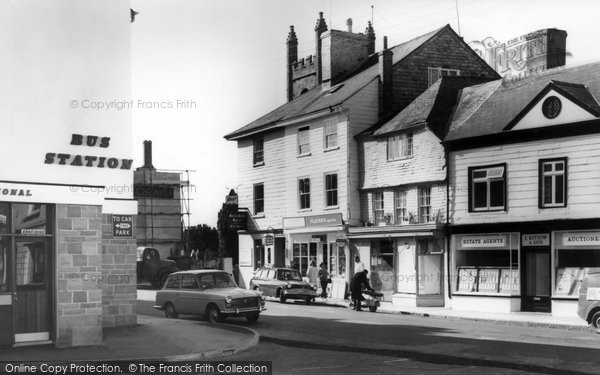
{"x":289,"y":275}
{"x":216,"y":280}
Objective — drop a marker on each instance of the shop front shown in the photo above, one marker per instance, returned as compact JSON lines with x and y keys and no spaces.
{"x":404,"y":263}
{"x":319,"y":239}
{"x":539,"y":269}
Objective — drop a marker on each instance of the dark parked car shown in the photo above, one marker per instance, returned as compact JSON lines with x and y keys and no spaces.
{"x":283,"y":283}
{"x":211,"y":293}
{"x":589,"y":299}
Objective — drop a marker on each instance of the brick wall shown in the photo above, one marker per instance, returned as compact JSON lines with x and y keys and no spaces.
{"x":79,"y":296}
{"x":119,"y":290}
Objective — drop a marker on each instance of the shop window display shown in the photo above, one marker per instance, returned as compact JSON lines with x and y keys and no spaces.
{"x":576,"y":254}
{"x":487,"y":264}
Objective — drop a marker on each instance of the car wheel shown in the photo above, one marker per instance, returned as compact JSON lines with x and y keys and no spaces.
{"x":372,"y":308}
{"x":214,"y":315}
{"x":307,"y":300}
{"x":282,"y":297}
{"x":252,"y":317}
{"x":596,"y":321}
{"x":170,"y":311}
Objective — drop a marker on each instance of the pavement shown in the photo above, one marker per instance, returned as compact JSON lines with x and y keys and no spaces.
{"x":161,"y":339}
{"x":153,"y":338}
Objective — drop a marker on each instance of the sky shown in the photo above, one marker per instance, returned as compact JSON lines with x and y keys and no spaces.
{"x":202,"y":69}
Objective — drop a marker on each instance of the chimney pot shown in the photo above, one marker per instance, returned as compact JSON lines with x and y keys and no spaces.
{"x":385,"y":45}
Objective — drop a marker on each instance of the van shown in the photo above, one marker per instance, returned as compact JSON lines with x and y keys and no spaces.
{"x":589,"y":299}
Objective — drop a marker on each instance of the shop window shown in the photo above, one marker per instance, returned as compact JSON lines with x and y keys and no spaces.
{"x":303,"y":141}
{"x":378,"y":208}
{"x":258,"y":151}
{"x":259,"y":199}
{"x":382,"y":267}
{"x":436,"y":73}
{"x":553,"y":183}
{"x":401,"y":214}
{"x":400,"y":146}
{"x":331,"y":189}
{"x":481,"y":268}
{"x":576,"y":254}
{"x":424,"y":204}
{"x":303,"y":253}
{"x":4,"y":215}
{"x":337,"y":260}
{"x":331,"y":140}
{"x":487,"y":188}
{"x":304,"y":193}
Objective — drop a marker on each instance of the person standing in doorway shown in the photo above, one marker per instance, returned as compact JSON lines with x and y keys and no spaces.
{"x":324,"y":278}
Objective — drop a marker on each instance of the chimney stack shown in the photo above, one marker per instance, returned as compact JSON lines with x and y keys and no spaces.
{"x":349,"y":23}
{"x":148,"y":155}
{"x":292,"y":57}
{"x":386,"y":78}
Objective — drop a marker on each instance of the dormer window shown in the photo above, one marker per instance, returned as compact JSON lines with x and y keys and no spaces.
{"x":437,"y":73}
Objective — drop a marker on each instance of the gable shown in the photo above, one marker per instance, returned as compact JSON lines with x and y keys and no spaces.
{"x":558,"y":103}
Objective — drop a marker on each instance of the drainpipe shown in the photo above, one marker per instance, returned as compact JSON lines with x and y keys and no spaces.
{"x":446,"y":230}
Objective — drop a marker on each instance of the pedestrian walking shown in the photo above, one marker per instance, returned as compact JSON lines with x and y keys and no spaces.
{"x":324,"y":278}
{"x":312,"y":273}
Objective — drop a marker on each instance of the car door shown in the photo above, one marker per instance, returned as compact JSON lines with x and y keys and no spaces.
{"x":271,"y":282}
{"x":188,"y":296}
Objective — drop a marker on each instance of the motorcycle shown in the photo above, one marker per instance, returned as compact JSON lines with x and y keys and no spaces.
{"x":372,"y":300}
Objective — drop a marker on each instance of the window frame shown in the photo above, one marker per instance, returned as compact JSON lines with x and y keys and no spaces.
{"x":258,"y":154}
{"x":377,"y":209}
{"x":542,"y":174}
{"x":326,"y":146}
{"x":262,"y":199}
{"x":404,"y":208}
{"x":440,"y":74}
{"x":471,"y":189}
{"x":301,"y":132}
{"x":404,"y":149}
{"x":327,"y":189}
{"x":302,"y":181}
{"x":421,"y":206}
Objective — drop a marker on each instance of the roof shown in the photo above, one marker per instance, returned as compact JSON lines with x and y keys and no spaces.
{"x":488,"y":108}
{"x":433,"y":108}
{"x":317,"y":99}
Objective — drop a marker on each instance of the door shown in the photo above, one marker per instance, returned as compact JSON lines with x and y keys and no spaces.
{"x":536,"y":276}
{"x":6,"y":298}
{"x":33,"y":285}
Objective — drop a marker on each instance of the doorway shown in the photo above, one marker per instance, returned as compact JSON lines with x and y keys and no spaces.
{"x":26,"y":276}
{"x":536,"y":276}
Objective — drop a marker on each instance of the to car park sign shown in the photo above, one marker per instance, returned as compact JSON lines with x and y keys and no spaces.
{"x":122,"y":225}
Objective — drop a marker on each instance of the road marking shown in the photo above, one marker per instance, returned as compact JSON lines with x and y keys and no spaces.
{"x":397,"y":360}
{"x":318,"y":368}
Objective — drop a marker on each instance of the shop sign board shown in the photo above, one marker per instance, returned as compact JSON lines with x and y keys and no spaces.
{"x":483,"y":241}
{"x":581,"y":239}
{"x":122,"y":225}
{"x":237,"y":220}
{"x":245,"y":257}
{"x":269,"y":240}
{"x":542,"y":239}
{"x":326,"y":220}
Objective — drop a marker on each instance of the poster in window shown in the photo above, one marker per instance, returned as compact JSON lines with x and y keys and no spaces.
{"x":509,"y":280}
{"x":466,"y":279}
{"x":245,"y":257}
{"x":568,"y":281}
{"x":488,"y":280}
